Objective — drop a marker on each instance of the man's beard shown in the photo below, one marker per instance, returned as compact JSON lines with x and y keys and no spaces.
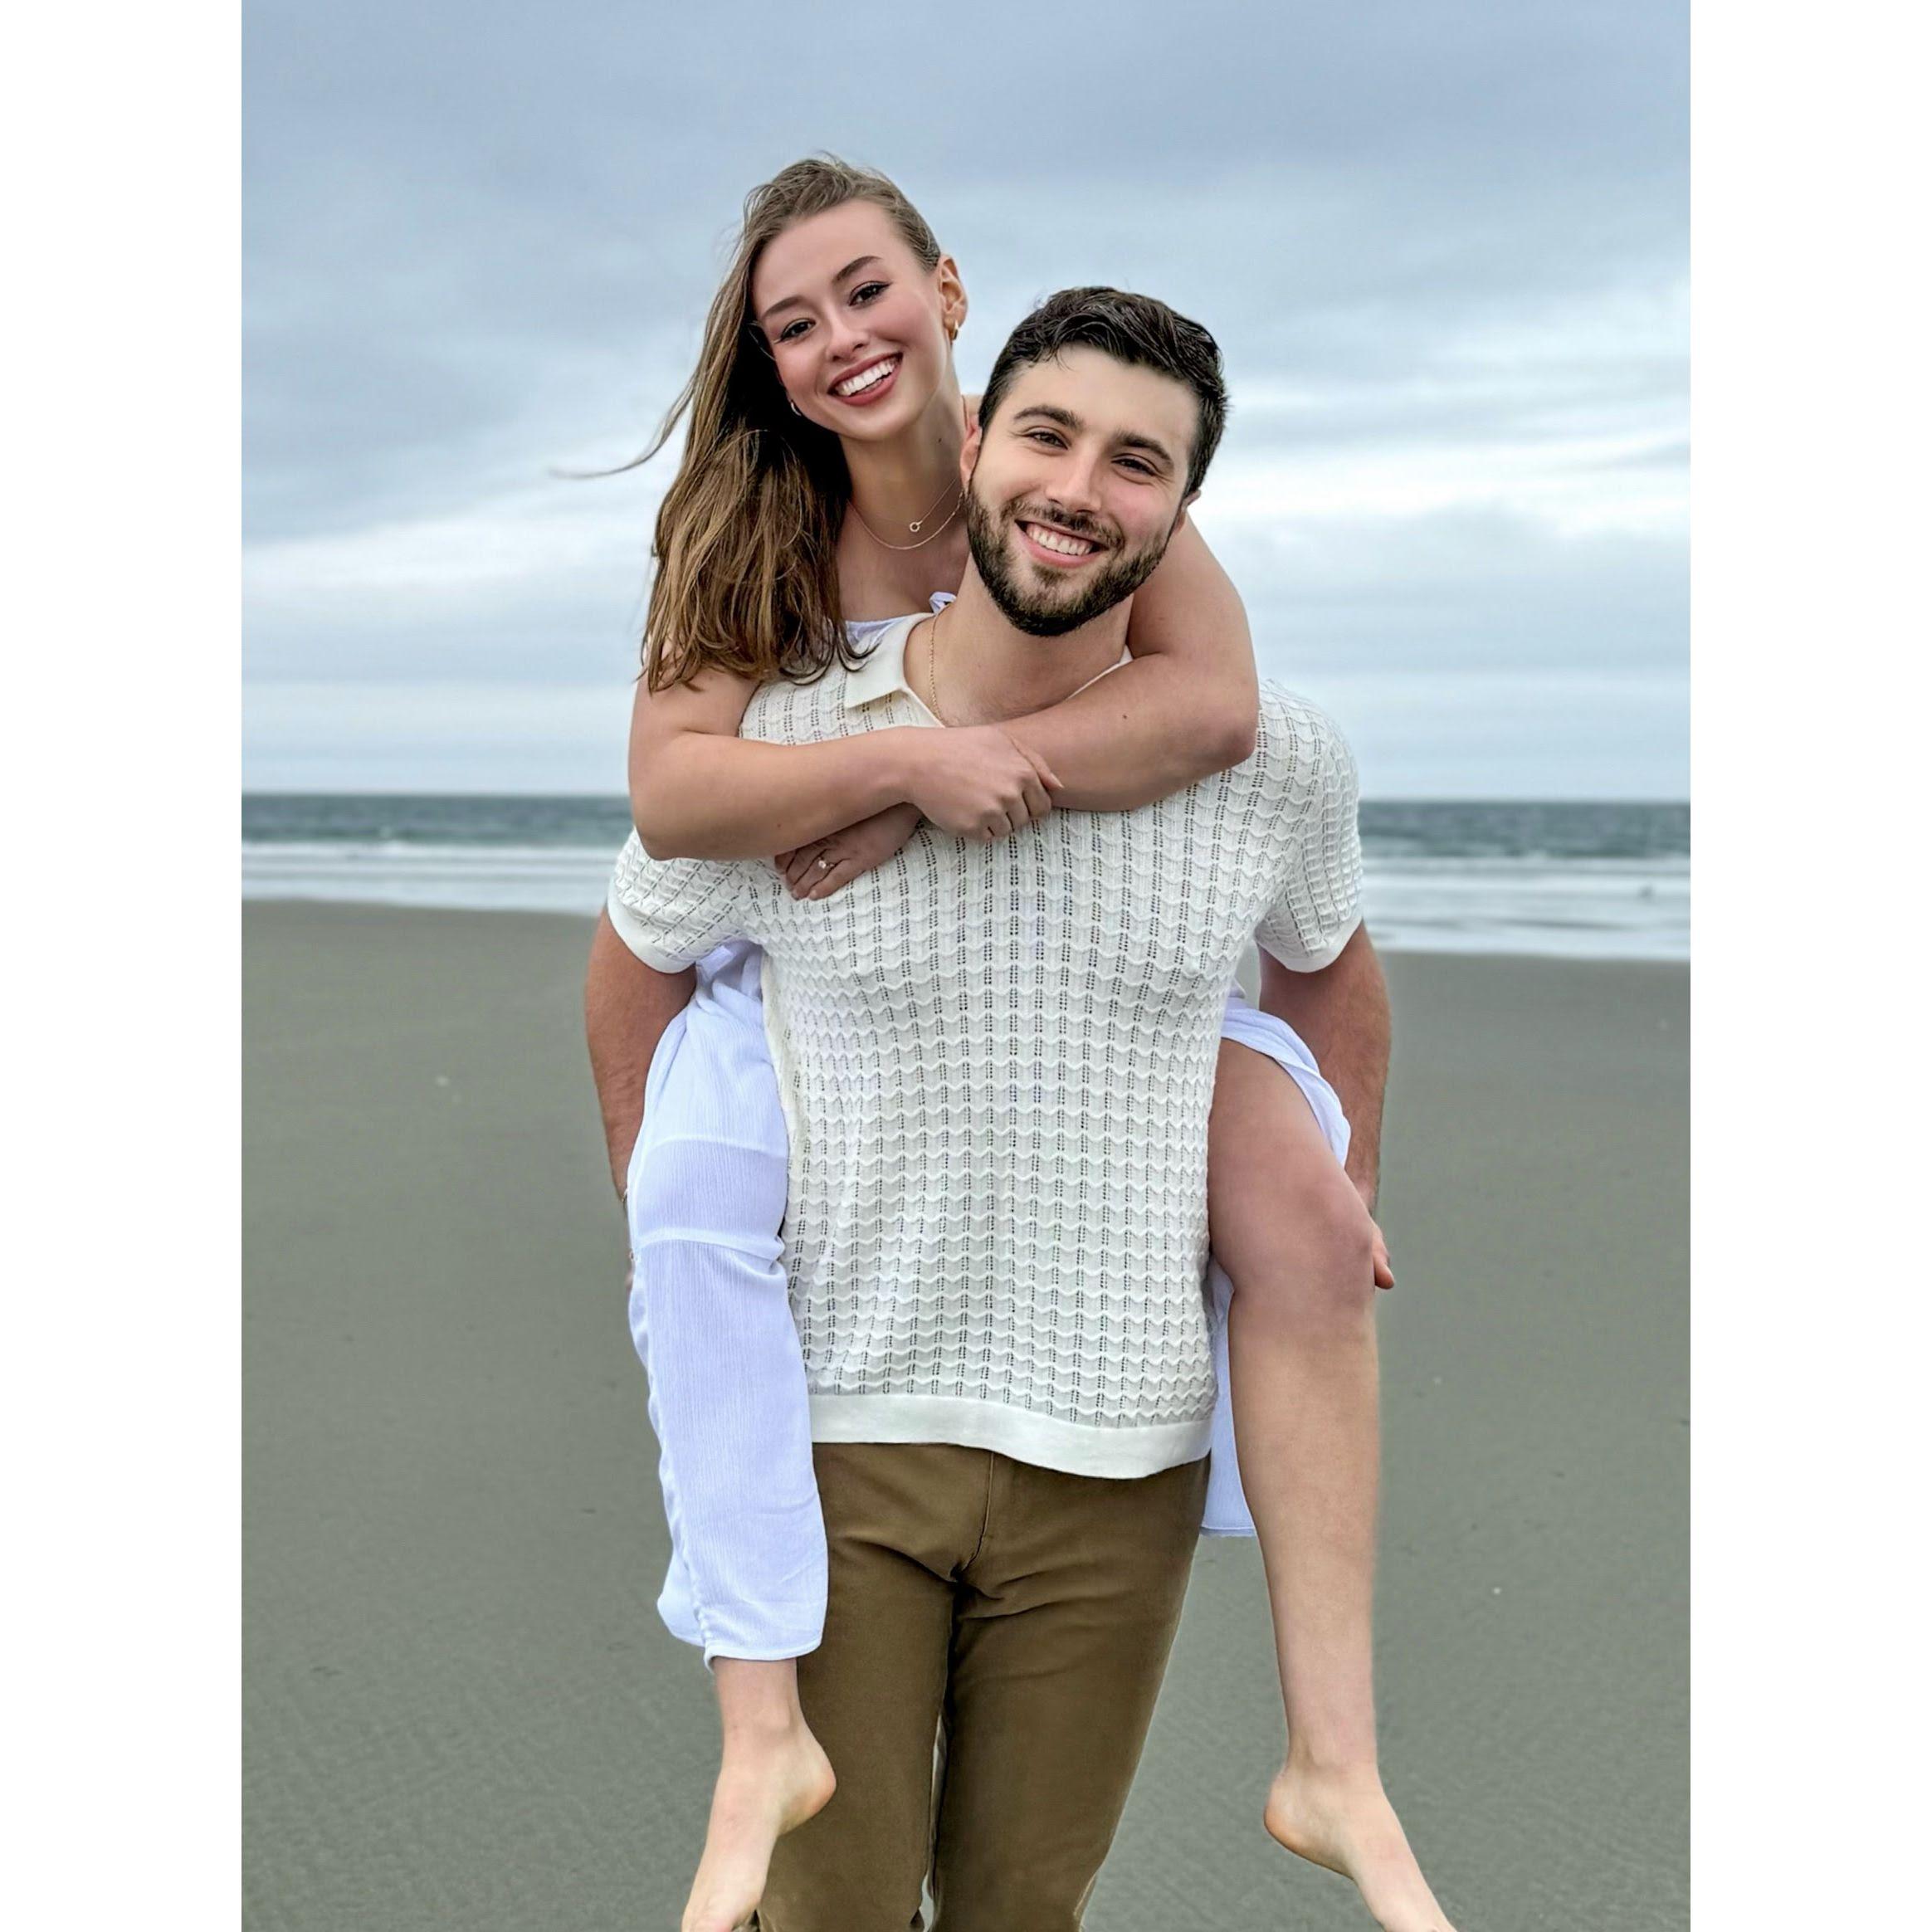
{"x":1038,"y":611}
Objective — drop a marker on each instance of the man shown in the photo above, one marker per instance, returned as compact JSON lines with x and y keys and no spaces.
{"x":998,"y":1062}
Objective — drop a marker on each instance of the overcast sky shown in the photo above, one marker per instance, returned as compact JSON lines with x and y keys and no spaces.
{"x":1443,"y":248}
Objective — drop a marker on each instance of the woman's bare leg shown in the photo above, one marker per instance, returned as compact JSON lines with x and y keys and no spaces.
{"x":772,"y":1778}
{"x":1295,"y":1240}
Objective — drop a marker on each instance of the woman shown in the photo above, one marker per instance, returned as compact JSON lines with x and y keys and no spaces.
{"x":820,"y":477}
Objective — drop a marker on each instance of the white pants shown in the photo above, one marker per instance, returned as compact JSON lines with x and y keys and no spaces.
{"x":712,"y":1321}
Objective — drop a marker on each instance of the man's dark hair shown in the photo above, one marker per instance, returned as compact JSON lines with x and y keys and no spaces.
{"x":1132,"y":329}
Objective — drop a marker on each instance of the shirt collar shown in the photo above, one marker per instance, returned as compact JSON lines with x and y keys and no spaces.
{"x":883,"y":671}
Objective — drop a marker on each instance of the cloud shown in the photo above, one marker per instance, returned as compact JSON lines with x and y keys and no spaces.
{"x":1442,"y":244}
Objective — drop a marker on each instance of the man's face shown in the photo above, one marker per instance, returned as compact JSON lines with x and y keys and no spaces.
{"x":1075,"y":487}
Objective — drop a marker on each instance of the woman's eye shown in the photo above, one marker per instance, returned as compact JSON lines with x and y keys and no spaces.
{"x":791,"y":331}
{"x":868,"y":291}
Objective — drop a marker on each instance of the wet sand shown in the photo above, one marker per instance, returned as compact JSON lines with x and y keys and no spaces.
{"x":460,"y":1709}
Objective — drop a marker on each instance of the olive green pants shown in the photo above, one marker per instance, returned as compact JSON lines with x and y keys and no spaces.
{"x":1023,"y":1616}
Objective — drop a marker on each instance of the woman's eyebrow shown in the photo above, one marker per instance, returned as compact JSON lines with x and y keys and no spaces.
{"x":850,"y":268}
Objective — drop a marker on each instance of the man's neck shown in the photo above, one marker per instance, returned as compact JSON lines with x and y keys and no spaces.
{"x":987,"y":671}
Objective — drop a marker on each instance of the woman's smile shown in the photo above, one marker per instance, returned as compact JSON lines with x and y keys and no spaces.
{"x":870,"y":383}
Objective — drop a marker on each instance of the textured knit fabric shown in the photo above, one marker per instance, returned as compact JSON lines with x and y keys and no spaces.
{"x":996,"y":1062}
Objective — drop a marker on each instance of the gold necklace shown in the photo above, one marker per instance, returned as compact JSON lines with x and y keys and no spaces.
{"x":915,"y":528}
{"x":933,"y":664}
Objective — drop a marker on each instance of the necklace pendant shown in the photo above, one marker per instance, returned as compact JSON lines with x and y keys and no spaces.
{"x":914,"y":527}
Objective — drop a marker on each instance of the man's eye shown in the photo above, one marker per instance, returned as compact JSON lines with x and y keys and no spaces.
{"x":1138,"y":467}
{"x":1045,"y":436}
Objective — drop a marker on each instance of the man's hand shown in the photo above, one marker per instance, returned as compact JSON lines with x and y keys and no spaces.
{"x":1384,"y":1273}
{"x":976,"y":781}
{"x":819,"y":870}
{"x":1384,"y":1269}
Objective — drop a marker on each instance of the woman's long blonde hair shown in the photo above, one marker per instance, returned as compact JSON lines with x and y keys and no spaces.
{"x":747,"y":537}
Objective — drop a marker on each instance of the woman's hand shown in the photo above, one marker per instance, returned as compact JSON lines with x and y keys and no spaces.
{"x":818,"y":871}
{"x":977,"y":781}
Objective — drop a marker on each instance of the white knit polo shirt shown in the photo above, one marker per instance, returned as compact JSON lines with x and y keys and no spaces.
{"x":996,"y":1063}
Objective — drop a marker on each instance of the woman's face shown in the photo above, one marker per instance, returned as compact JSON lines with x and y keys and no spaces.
{"x":855,"y":325}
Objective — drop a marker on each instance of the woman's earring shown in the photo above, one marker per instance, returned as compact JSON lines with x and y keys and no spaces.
{"x":796,"y":410}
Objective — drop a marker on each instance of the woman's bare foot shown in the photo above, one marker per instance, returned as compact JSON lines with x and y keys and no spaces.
{"x":1342,"y":1819}
{"x":769,"y":1782}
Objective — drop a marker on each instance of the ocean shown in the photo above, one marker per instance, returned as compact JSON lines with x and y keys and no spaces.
{"x":1560,"y":878}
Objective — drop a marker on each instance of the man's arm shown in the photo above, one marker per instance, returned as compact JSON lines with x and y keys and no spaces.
{"x":626,"y":1006}
{"x":1342,"y":1011}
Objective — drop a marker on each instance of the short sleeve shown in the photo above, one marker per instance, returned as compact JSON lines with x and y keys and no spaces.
{"x":1317,"y":903}
{"x":672,"y":912}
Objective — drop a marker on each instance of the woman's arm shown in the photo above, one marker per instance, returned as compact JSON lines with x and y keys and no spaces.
{"x":1184,"y":708}
{"x":698,"y":791}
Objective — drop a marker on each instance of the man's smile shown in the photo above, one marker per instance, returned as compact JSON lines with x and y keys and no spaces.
{"x":1056,"y":549}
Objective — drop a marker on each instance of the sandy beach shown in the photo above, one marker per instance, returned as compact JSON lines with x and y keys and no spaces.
{"x":461,"y":1709}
